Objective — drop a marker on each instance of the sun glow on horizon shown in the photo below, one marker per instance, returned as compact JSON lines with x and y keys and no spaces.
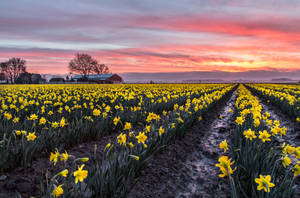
{"x":154,"y":37}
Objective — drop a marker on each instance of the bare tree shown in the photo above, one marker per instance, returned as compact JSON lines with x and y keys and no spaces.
{"x":83,"y":64}
{"x":100,"y":69}
{"x":13,"y":68}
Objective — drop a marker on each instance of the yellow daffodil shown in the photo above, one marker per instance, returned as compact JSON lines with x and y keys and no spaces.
{"x":55,"y":124}
{"x":223,"y":145}
{"x":63,"y":173}
{"x":264,"y":136}
{"x":122,"y":139}
{"x":62,"y":122}
{"x":96,"y":112}
{"x":225,"y":166}
{"x":249,"y":134}
{"x":84,"y":159}
{"x":58,"y":191}
{"x":288,"y":149}
{"x":31,"y":136}
{"x":130,"y":144}
{"x":116,"y":120}
{"x":161,"y":130}
{"x":137,"y":158}
{"x":296,"y":169}
{"x":64,"y":156}
{"x":127,"y":126}
{"x":173,"y":125}
{"x":42,"y":121}
{"x":286,"y":161}
{"x":33,"y":117}
{"x":54,"y":157}
{"x":141,"y":137}
{"x":108,"y":146}
{"x":264,"y":183}
{"x":239,"y":120}
{"x":7,"y":116}
{"x":16,"y":120}
{"x":80,"y":174}
{"x":147,"y":129}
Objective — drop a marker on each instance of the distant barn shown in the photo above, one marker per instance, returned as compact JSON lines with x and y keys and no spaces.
{"x":99,"y":78}
{"x":2,"y":78}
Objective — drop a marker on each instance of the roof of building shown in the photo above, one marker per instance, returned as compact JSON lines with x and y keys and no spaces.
{"x":94,"y":76}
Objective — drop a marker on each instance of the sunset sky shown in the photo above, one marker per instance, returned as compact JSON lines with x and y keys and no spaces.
{"x":153,"y":36}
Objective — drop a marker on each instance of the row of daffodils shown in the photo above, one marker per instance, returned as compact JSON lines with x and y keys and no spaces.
{"x":36,"y":119}
{"x":115,"y":172}
{"x":285,"y":97}
{"x":256,"y":163}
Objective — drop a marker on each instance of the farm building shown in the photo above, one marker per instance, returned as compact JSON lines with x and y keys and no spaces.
{"x":2,"y":78}
{"x":99,"y":78}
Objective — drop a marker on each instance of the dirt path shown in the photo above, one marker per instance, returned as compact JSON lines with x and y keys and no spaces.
{"x":187,"y":167}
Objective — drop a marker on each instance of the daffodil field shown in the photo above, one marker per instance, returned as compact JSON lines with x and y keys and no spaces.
{"x":41,"y":118}
{"x":285,"y":97}
{"x":258,"y":157}
{"x":47,"y":121}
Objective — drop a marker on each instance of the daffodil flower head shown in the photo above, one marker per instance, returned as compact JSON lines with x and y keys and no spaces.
{"x":58,"y":191}
{"x":223,"y":145}
{"x":141,"y":138}
{"x":264,"y":183}
{"x":80,"y":174}
{"x":264,"y":136}
{"x":286,"y":161}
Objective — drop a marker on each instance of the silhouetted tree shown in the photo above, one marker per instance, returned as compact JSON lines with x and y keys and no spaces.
{"x":83,"y":64}
{"x":100,"y":69}
{"x":13,"y":68}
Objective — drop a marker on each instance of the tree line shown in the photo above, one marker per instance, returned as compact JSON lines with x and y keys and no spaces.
{"x":82,"y":63}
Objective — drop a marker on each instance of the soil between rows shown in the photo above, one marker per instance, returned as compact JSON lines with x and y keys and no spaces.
{"x":186,"y":168}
